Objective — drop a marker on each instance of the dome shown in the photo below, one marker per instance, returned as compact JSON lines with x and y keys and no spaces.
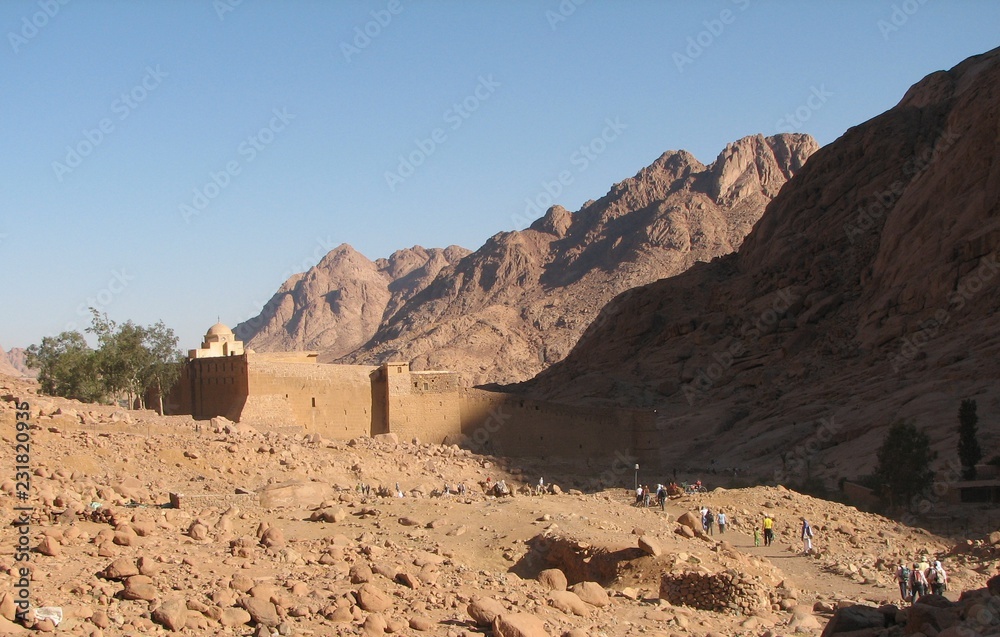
{"x":219,"y":330}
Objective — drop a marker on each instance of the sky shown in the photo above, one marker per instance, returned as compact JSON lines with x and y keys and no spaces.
{"x":177,"y":160}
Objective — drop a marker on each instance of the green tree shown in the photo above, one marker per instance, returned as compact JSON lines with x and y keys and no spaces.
{"x":903,"y":471}
{"x":67,"y":367}
{"x":129,"y":360}
{"x":164,"y":369}
{"x":969,"y":452}
{"x":122,"y":357}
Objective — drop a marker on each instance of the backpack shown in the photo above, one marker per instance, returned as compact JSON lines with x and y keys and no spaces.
{"x":932,"y":575}
{"x":904,"y":574}
{"x":709,"y":518}
{"x":807,"y":530}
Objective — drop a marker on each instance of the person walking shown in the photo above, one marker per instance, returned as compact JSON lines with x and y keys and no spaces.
{"x":661,"y":497}
{"x":937,"y":578}
{"x":710,"y":522}
{"x":903,"y":578}
{"x":768,"y":530}
{"x":918,"y":583}
{"x":722,"y":522}
{"x":807,"y":535}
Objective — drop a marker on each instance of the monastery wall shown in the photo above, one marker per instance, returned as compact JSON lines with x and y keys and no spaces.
{"x":335,"y":401}
{"x":290,"y":389}
{"x":424,"y":405}
{"x":217,"y":386}
{"x":505,"y":424}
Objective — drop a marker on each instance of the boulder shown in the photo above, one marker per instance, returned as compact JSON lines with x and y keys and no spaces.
{"x":483,"y":610}
{"x":422,"y":623}
{"x":373,"y":599}
{"x":234,"y":617}
{"x":171,"y":614}
{"x":294,"y":493}
{"x":690,"y":520}
{"x":519,"y":625}
{"x":49,"y":546}
{"x":568,"y":602}
{"x":261,"y":611}
{"x":139,"y":587}
{"x":389,"y":438}
{"x":649,"y":545}
{"x":552,"y":579}
{"x":854,"y":618}
{"x":592,"y":593}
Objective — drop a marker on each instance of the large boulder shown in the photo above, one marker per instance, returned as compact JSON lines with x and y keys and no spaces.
{"x":854,"y":618}
{"x":569,"y":602}
{"x":171,"y":614}
{"x":519,"y":625}
{"x":690,"y":520}
{"x":649,"y":545}
{"x":373,"y":599}
{"x":294,"y":493}
{"x":483,"y":610}
{"x":552,"y":579}
{"x":592,"y":593}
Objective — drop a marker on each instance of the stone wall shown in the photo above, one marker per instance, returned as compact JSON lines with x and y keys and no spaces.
{"x":423,"y":405}
{"x":506,"y":424}
{"x":218,"y":386}
{"x":214,"y":500}
{"x":348,"y":401}
{"x":725,"y":592}
{"x":332,"y":400}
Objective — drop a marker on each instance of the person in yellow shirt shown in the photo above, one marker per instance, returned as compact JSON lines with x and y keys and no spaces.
{"x":768,"y":530}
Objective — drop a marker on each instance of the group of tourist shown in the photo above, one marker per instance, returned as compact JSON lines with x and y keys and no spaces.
{"x":644,"y":496}
{"x":710,"y":519}
{"x":922,"y":579}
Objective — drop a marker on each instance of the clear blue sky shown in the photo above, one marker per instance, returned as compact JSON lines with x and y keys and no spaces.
{"x":116,"y":114}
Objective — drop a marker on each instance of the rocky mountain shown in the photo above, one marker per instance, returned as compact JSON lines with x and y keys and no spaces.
{"x":521,"y":301}
{"x":6,"y":367}
{"x":338,"y":304}
{"x":866,"y":293}
{"x":18,"y":358}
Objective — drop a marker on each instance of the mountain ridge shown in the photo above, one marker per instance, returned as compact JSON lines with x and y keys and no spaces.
{"x":865,"y":294}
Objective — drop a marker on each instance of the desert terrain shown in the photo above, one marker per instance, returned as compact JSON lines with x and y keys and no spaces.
{"x":303,"y":552}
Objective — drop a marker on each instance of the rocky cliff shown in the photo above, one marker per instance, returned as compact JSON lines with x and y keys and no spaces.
{"x":6,"y":367}
{"x":338,"y":304}
{"x":18,"y":359}
{"x":520,"y":302}
{"x":867,"y":292}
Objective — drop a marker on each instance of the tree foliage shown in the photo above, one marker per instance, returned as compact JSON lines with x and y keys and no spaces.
{"x":969,"y":452}
{"x":129,"y":360}
{"x":904,"y":464}
{"x":67,"y":366}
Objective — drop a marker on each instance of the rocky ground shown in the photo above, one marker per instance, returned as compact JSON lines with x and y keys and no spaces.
{"x":302,"y":552}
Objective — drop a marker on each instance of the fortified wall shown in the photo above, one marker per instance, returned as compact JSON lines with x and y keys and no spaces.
{"x":348,"y":401}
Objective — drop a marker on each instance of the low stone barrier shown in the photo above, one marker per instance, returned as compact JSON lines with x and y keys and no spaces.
{"x":724,"y":592}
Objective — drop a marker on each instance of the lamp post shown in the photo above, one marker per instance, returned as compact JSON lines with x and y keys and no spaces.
{"x":637,"y":476}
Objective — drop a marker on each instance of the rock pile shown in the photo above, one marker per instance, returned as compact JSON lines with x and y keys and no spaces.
{"x":725,"y":592}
